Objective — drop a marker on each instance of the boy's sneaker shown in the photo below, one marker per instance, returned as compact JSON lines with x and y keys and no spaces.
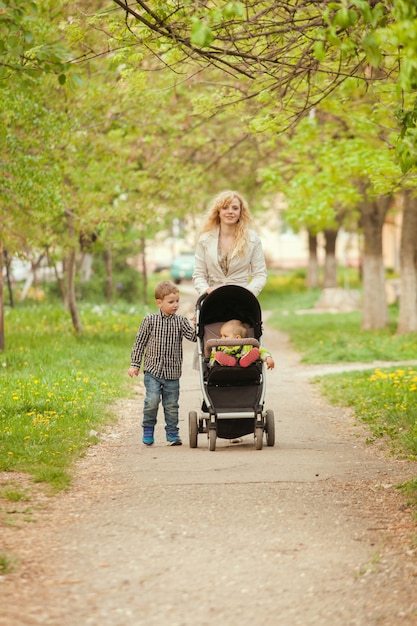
{"x":174,"y":440}
{"x":147,"y":436}
{"x":224,"y":359}
{"x":249,"y":358}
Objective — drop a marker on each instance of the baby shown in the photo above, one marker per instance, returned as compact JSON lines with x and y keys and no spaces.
{"x":238,"y":355}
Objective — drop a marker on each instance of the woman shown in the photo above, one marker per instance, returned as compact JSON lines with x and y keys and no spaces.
{"x":228,"y":251}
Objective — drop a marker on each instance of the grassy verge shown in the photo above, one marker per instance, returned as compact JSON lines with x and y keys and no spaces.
{"x":55,"y":387}
{"x":385,"y":399}
{"x":328,"y":337}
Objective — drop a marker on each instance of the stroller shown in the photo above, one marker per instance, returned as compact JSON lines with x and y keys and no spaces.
{"x":233,"y":397}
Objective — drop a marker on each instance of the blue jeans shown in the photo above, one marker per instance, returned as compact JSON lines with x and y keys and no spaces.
{"x":168,"y":391}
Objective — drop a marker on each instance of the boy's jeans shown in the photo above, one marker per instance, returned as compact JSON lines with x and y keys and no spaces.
{"x":169,"y":391}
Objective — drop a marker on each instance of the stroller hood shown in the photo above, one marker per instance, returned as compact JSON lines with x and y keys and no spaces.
{"x":226,"y":303}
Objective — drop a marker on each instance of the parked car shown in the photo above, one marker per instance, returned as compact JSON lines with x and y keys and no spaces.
{"x":182,"y":267}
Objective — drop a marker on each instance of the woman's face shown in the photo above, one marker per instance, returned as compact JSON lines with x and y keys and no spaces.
{"x":229,"y":214}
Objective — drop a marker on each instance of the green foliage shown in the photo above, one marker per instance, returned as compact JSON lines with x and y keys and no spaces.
{"x":127,"y":284}
{"x":338,"y":157}
{"x":202,"y":31}
{"x":407,"y":143}
{"x":29,"y":46}
{"x":201,"y":34}
{"x":55,"y":387}
{"x":14,"y":495}
{"x":396,"y":40}
{"x":286,"y":293}
{"x":234,"y":9}
{"x":385,"y":399}
{"x":409,"y":488}
{"x":287,"y":282}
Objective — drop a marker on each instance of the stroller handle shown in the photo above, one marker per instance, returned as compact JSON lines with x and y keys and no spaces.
{"x":202,"y":297}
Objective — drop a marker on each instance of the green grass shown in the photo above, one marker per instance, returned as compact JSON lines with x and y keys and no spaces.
{"x":6,"y":564}
{"x":385,"y":399}
{"x":13,"y":495}
{"x":56,"y":387}
{"x":328,"y":337}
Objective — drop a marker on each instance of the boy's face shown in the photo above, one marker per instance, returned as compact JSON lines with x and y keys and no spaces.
{"x":169,"y":304}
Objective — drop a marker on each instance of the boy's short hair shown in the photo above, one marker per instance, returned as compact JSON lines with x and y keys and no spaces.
{"x":165,"y":288}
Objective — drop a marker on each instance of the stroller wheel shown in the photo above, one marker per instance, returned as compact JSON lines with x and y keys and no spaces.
{"x":270,"y":428}
{"x":192,"y":429}
{"x":259,"y":433}
{"x":212,"y":439}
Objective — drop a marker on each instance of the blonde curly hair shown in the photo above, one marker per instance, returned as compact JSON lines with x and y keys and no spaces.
{"x":236,"y":327}
{"x":224,"y":199}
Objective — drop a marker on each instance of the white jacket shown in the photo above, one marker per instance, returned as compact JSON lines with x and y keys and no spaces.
{"x":247,"y":271}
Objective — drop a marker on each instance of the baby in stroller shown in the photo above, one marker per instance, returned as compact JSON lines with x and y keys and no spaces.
{"x":242,"y":355}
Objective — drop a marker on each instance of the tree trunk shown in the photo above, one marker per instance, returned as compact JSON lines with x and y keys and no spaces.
{"x":70,"y":271}
{"x":1,"y":299}
{"x":407,"y":318}
{"x":109,"y":275}
{"x":330,"y":263}
{"x":72,"y":302}
{"x":144,"y":269}
{"x":375,"y":309}
{"x":313,"y":264}
{"x":59,"y":279}
{"x":9,"y":282}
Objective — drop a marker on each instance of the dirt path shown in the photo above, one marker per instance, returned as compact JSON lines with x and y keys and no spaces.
{"x":309,"y":532}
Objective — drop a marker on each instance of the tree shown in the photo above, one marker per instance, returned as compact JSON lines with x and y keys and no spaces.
{"x":31,"y":43}
{"x":301,"y":50}
{"x":373,"y":213}
{"x":29,"y":50}
{"x":312,"y":280}
{"x":407,"y":317}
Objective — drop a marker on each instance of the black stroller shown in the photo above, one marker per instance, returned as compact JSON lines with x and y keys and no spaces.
{"x":233,"y":397}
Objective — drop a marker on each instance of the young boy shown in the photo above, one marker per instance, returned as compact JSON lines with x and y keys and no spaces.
{"x":238,"y":355}
{"x":159,"y":338}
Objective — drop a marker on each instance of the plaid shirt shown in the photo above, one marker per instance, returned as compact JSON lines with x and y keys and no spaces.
{"x":159,"y":338}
